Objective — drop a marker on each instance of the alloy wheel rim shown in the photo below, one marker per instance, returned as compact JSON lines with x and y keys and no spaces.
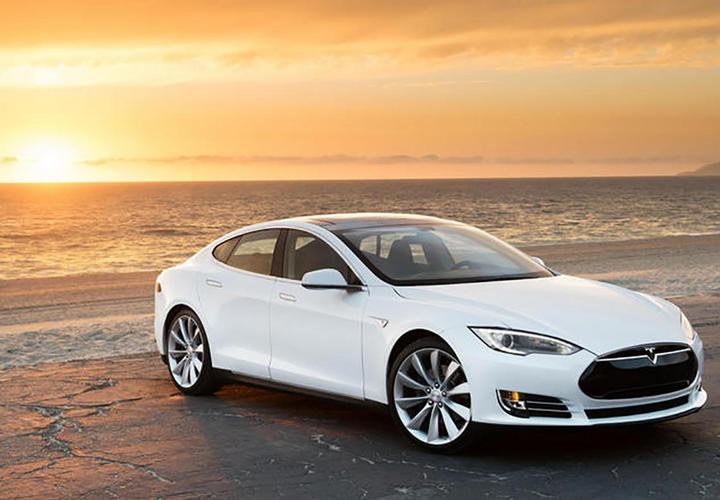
{"x":432,"y":396}
{"x":186,"y":351}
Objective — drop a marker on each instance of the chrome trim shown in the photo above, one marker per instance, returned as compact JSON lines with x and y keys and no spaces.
{"x":541,"y":402}
{"x":547,"y":409}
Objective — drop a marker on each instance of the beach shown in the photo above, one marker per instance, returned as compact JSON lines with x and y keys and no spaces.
{"x":116,"y":427}
{"x":87,"y":408}
{"x":97,"y":315}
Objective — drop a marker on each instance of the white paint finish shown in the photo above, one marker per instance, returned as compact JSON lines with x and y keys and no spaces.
{"x":403,"y":316}
{"x":330,"y":340}
{"x":236,"y":316}
{"x":324,"y":278}
{"x":596,"y":316}
{"x":316,"y":338}
{"x":178,"y":289}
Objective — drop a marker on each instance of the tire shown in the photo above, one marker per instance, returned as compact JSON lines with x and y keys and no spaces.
{"x":190,"y":369}
{"x":432,"y":409}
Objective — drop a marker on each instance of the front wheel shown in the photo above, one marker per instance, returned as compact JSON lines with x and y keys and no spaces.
{"x":430,"y":396}
{"x":188,"y":355}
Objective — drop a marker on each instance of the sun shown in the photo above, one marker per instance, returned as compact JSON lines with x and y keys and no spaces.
{"x":46,"y":161}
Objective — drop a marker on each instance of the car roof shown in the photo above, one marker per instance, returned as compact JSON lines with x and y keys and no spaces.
{"x":340,"y":222}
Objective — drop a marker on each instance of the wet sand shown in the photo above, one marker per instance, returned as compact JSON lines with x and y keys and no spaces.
{"x":75,"y":317}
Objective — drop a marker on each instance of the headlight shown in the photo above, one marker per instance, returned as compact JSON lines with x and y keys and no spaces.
{"x":687,"y":328}
{"x":522,"y":343}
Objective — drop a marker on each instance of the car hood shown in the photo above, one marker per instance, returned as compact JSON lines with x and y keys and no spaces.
{"x":596,"y":316}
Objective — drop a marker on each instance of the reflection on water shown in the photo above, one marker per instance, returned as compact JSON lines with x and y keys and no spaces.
{"x":77,"y":228}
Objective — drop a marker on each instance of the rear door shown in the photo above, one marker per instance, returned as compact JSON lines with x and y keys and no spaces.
{"x":235,"y":296}
{"x":316,"y":334}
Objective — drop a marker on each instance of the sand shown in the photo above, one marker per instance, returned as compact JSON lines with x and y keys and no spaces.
{"x":75,"y":317}
{"x":95,"y":316}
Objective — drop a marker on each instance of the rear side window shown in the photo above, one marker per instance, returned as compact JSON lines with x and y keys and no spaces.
{"x":222,"y":251}
{"x":254,"y":251}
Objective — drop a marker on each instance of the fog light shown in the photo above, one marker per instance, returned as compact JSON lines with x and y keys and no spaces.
{"x":513,"y":402}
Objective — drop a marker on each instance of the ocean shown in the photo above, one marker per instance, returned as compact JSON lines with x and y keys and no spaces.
{"x":62,"y":229}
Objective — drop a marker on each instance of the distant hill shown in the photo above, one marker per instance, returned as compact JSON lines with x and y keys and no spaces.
{"x":709,"y":169}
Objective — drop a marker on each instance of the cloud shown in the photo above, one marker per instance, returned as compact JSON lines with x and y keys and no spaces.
{"x":399,"y":159}
{"x":534,"y":161}
{"x":304,"y":160}
{"x":122,"y":42}
{"x":430,"y":83}
{"x":332,"y":23}
{"x":630,"y":160}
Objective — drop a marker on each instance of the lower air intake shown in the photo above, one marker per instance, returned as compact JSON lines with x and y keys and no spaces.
{"x":626,"y":411}
{"x":520,"y":404}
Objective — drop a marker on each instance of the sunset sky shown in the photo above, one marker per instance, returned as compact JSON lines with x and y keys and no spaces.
{"x":205,"y":90}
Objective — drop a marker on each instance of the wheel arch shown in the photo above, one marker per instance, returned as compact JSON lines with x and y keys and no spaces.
{"x":405,"y":340}
{"x":168,"y":319}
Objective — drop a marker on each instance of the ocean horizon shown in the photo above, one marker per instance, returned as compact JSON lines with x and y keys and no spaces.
{"x":77,"y":228}
{"x":369,"y":179}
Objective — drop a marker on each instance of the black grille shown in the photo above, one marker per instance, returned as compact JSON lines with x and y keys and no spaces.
{"x":640,"y":371}
{"x":625,"y":411}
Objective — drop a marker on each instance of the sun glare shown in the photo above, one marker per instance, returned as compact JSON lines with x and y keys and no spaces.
{"x":46,"y":161}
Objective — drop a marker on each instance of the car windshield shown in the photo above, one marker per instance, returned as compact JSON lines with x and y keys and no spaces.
{"x":438,"y":254}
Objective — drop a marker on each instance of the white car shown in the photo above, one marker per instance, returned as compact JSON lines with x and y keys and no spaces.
{"x":440,"y":321}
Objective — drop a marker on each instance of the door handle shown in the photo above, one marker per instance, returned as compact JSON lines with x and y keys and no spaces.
{"x":287,"y":296}
{"x":213,"y":282}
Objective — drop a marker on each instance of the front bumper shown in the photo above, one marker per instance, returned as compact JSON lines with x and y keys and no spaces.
{"x":557,"y":376}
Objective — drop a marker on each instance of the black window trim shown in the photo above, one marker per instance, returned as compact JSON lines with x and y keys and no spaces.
{"x":278,"y":261}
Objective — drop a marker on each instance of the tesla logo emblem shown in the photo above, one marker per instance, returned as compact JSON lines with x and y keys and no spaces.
{"x":650,"y":353}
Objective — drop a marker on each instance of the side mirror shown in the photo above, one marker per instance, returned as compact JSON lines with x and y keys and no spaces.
{"x":538,"y":260}
{"x":326,"y":279}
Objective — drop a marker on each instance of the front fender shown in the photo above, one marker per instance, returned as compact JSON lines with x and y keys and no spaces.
{"x":403,"y":317}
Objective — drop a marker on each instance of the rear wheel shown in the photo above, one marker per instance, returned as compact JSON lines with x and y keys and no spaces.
{"x":188,"y":355}
{"x":430,"y":396}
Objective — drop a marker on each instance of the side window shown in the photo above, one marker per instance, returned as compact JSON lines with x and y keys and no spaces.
{"x":305,"y":252}
{"x":222,"y":251}
{"x":254,"y":251}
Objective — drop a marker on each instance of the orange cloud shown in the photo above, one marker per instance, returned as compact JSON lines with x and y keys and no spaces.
{"x":48,"y":42}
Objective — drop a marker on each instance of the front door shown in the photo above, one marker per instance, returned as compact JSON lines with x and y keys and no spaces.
{"x":316,"y":334}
